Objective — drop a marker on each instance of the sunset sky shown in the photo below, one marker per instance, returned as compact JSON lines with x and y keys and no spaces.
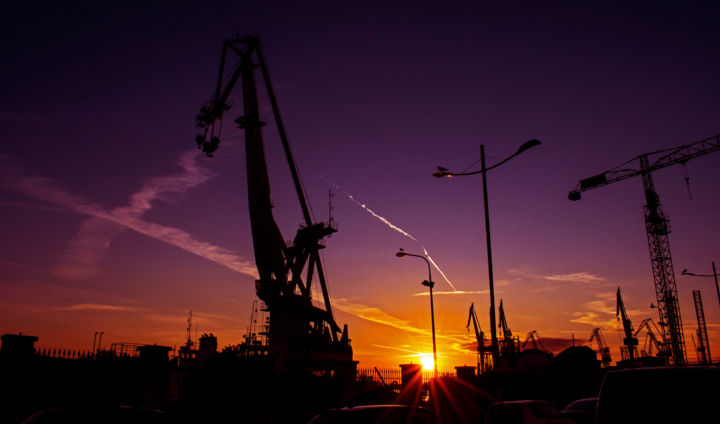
{"x":113,"y":221}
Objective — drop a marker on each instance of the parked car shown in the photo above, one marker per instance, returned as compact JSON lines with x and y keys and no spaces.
{"x":659,"y":395}
{"x":524,"y":412}
{"x":376,"y":414}
{"x":581,"y":411}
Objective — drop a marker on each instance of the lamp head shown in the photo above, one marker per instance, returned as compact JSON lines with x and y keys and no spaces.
{"x":684,"y":272}
{"x":442,"y":172}
{"x":401,"y":253}
{"x":528,"y":144}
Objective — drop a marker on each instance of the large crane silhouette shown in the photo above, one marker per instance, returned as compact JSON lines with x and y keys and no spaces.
{"x":302,"y":335}
{"x":630,"y":342}
{"x":482,"y":352}
{"x":657,"y":227}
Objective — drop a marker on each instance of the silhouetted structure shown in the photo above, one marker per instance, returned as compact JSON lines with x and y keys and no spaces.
{"x":303,"y":337}
{"x":657,"y":227}
{"x":18,"y":345}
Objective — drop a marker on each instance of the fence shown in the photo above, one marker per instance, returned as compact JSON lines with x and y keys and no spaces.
{"x":390,"y":376}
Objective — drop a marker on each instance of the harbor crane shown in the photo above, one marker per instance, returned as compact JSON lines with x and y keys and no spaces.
{"x":483,"y":354}
{"x":602,"y":347}
{"x":507,"y":344}
{"x":651,"y":339}
{"x":533,"y":337}
{"x":657,"y":227}
{"x":629,"y":350}
{"x":302,"y":335}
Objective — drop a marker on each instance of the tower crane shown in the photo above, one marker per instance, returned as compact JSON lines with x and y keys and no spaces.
{"x":602,"y":347}
{"x":651,"y":339}
{"x":629,"y":351}
{"x":482,"y":353}
{"x":657,"y":227}
{"x":302,"y":335}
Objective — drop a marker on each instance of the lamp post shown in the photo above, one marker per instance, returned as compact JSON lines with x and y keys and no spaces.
{"x":714,"y":274}
{"x":444,"y":172}
{"x":427,"y":283}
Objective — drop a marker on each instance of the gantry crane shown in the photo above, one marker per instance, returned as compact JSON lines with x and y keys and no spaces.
{"x":483,"y":354}
{"x":602,"y":347}
{"x":629,"y":350}
{"x":302,"y":335}
{"x":651,"y":339}
{"x":657,"y":227}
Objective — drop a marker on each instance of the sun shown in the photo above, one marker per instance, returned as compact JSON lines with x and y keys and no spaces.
{"x":427,"y":362}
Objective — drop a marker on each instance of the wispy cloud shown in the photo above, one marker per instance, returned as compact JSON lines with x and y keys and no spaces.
{"x":96,"y":307}
{"x":576,"y":277}
{"x":93,"y":233}
{"x":376,"y":315}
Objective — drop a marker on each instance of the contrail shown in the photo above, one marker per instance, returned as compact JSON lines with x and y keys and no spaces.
{"x":394,"y":227}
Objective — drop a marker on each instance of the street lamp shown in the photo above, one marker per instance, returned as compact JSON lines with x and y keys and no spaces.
{"x":714,"y":274}
{"x":444,"y":172}
{"x":427,"y":283}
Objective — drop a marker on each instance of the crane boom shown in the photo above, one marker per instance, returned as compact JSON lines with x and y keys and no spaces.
{"x":662,"y":159}
{"x":657,"y":227}
{"x":630,"y":341}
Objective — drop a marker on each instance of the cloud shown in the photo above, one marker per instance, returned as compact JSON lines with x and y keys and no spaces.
{"x":96,"y":307}
{"x":441,"y":293}
{"x":577,"y":277}
{"x":12,"y":178}
{"x":376,"y":315}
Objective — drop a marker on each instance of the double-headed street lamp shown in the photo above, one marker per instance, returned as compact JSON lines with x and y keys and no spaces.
{"x":444,"y":172}
{"x":714,"y":274}
{"x":427,"y":283}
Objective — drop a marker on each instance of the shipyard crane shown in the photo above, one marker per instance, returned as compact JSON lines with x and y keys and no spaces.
{"x":651,"y":339}
{"x":602,"y":347}
{"x":533,"y":337}
{"x":482,"y":353}
{"x":507,"y":344}
{"x":657,"y":227}
{"x":629,"y":350}
{"x":301,"y":334}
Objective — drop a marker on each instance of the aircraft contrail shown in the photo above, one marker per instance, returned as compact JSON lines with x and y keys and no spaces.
{"x":396,"y":228}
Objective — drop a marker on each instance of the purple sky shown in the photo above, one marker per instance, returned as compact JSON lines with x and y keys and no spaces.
{"x":113,"y":221}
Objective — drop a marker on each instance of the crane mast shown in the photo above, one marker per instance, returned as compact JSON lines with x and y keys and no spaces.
{"x":629,"y":351}
{"x":301,"y":334}
{"x":703,"y":342}
{"x":657,"y":227}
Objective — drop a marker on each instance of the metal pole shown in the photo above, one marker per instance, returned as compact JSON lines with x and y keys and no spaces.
{"x":432,"y":317}
{"x":716,"y":281}
{"x":493,"y":331}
